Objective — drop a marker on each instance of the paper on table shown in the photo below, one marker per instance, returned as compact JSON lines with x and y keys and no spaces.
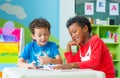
{"x":50,"y":68}
{"x":46,"y":67}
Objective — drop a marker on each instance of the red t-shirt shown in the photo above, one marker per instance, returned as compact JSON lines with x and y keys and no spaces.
{"x":99,"y":57}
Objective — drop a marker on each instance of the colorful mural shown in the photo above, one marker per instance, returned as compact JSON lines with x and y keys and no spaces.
{"x":22,"y":12}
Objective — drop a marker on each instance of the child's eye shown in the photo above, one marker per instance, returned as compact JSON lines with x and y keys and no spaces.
{"x":45,"y":34}
{"x":71,"y":35}
{"x":39,"y":35}
{"x":74,"y":31}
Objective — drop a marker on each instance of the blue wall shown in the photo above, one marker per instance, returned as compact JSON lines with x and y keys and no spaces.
{"x":27,"y":10}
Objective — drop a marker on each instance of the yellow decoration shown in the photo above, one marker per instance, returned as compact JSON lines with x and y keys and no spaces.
{"x":10,"y":47}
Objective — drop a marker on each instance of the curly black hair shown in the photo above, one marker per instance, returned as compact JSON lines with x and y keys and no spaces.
{"x":81,"y":20}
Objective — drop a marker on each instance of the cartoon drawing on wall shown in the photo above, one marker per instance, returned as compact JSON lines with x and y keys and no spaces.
{"x":21,"y":13}
{"x":14,"y":10}
{"x":7,"y":30}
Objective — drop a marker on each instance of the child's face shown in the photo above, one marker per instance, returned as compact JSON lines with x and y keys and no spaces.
{"x":41,"y":35}
{"x":78,"y":34}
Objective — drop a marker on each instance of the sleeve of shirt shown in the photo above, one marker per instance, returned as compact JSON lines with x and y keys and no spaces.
{"x":55,"y":50}
{"x":72,"y":58}
{"x":25,"y":53}
{"x":95,"y":57}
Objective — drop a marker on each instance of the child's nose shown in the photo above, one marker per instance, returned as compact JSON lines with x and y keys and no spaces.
{"x":43,"y":36}
{"x":73,"y":36}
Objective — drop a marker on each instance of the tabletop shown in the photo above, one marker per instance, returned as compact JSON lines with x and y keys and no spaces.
{"x":15,"y":72}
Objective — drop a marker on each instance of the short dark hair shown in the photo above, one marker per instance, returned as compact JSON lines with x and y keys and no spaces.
{"x":37,"y":23}
{"x":81,"y":20}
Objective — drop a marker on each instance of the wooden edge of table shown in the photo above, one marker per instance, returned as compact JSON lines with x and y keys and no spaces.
{"x":0,"y":74}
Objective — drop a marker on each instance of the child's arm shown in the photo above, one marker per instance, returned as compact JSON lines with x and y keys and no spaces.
{"x":57,"y":60}
{"x":71,"y":43}
{"x":70,"y":55}
{"x":46,"y":60}
{"x":24,"y":64}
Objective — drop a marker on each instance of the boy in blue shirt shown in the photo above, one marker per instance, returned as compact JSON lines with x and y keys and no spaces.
{"x":40,"y":51}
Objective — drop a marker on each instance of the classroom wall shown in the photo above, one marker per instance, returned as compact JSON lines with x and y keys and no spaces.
{"x":67,"y":10}
{"x":79,"y":10}
{"x":22,"y":12}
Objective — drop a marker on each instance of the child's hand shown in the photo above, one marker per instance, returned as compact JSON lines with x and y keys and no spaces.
{"x":67,"y":66}
{"x":31,"y":66}
{"x":62,"y":66}
{"x":44,"y":59}
{"x":70,"y":43}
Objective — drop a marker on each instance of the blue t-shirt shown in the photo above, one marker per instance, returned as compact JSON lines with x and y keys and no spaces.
{"x":32,"y":49}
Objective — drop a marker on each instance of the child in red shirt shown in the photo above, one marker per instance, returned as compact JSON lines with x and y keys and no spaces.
{"x":92,"y":53}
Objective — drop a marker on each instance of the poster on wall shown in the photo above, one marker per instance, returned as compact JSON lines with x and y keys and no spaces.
{"x":114,"y":9}
{"x":89,"y":9}
{"x":100,"y":5}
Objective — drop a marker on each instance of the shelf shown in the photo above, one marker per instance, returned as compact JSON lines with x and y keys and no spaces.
{"x":109,"y":41}
{"x":108,"y":26}
{"x":116,"y":60}
{"x":111,"y":26}
{"x":112,"y":43}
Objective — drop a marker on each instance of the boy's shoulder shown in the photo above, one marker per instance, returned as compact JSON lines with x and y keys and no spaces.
{"x":96,"y":38}
{"x":51,"y":43}
{"x":31,"y":43}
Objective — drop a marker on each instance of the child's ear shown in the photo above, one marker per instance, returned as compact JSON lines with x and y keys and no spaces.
{"x":85,"y":28}
{"x":33,"y":37}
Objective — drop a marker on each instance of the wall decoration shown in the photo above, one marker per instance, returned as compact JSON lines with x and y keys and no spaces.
{"x":114,"y":9}
{"x":22,"y":13}
{"x":100,"y":5}
{"x":89,"y":9}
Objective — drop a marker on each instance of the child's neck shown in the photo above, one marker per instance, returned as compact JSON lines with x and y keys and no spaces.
{"x":87,"y":39}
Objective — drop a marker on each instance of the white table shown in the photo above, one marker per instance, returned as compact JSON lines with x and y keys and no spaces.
{"x":31,"y":73}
